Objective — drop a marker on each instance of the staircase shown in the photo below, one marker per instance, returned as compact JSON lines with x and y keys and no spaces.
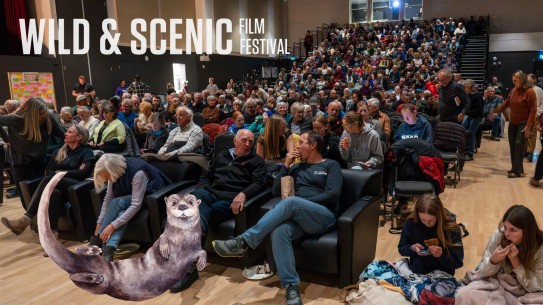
{"x":474,"y":60}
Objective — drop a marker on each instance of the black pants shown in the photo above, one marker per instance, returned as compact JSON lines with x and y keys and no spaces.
{"x":307,"y":50}
{"x":517,"y":146}
{"x":25,"y":172}
{"x":57,"y":200}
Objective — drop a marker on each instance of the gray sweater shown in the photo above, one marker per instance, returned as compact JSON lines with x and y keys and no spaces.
{"x":365,"y":146}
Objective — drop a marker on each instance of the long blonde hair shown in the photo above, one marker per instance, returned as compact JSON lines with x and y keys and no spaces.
{"x":63,"y":151}
{"x":113,"y":164}
{"x":30,"y":112}
{"x":432,"y":205}
{"x":274,"y":140}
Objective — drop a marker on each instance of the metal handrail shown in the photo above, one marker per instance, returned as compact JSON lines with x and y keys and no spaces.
{"x":487,"y":71}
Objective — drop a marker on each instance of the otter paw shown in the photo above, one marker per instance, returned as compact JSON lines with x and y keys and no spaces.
{"x":88,"y":250}
{"x":202,"y":259}
{"x":165,"y":250}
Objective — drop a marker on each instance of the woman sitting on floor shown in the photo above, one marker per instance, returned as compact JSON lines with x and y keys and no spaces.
{"x":431,"y":239}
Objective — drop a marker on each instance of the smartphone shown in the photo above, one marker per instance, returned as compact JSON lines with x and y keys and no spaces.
{"x":424,"y":251}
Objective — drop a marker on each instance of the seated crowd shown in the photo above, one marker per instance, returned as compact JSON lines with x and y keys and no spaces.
{"x":362,"y":89}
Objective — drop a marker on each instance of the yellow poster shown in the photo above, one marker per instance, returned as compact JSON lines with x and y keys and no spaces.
{"x":24,"y":85}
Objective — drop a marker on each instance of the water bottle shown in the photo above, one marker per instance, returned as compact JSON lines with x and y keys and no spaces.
{"x":535,"y":156}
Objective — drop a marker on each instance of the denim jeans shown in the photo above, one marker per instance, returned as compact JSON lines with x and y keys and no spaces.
{"x":497,"y":126}
{"x":289,"y":220}
{"x":472,"y":124}
{"x":115,"y":209}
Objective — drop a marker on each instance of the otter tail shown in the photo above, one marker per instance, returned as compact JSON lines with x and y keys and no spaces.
{"x":63,"y":257}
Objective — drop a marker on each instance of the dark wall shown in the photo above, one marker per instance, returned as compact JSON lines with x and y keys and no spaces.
{"x":225,"y":67}
{"x":511,"y":62}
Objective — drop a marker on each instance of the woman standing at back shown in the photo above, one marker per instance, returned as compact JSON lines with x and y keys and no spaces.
{"x":522,"y":101}
{"x":30,"y":127}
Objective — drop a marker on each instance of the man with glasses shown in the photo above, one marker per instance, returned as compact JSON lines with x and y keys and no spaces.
{"x":127,"y":115}
{"x":235,"y":175}
{"x":453,"y":99}
{"x":187,"y":137}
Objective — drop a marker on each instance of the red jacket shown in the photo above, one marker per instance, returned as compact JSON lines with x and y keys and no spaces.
{"x":432,"y":88}
{"x":434,"y":168}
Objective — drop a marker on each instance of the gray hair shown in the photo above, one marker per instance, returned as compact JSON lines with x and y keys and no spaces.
{"x":186,"y":109}
{"x":296,"y":107}
{"x":373,"y":102}
{"x":83,"y":108}
{"x":67,"y":110}
{"x":113,"y":164}
{"x":128,"y":102}
{"x":12,"y":105}
{"x":281,"y":104}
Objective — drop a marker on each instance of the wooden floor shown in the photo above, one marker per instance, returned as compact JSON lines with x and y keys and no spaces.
{"x":481,"y":197}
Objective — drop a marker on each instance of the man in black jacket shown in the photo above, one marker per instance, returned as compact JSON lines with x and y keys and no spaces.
{"x":453,"y":100}
{"x":234,"y":176}
{"x":474,"y":116}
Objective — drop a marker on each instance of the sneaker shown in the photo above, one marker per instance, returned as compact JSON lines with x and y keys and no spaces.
{"x":234,"y":247}
{"x":293,"y":295}
{"x":469,"y":158}
{"x":186,"y":281}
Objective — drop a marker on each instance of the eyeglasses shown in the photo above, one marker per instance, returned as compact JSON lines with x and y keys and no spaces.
{"x":245,"y":141}
{"x":347,"y":125}
{"x":180,"y":115}
{"x":503,"y":229}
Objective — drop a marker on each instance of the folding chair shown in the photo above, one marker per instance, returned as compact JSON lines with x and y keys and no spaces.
{"x":451,"y":139}
{"x":405,"y":178}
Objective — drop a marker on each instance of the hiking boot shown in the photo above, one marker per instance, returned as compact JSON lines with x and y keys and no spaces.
{"x":108,"y":252}
{"x":234,"y":247}
{"x":187,"y":280}
{"x":293,"y":295}
{"x":18,"y":225}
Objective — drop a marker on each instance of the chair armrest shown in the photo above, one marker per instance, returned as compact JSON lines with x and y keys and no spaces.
{"x":97,"y":200}
{"x":269,"y":205}
{"x":28,"y":187}
{"x":251,"y":212}
{"x":156,"y":205}
{"x":81,"y":203}
{"x":357,"y":237}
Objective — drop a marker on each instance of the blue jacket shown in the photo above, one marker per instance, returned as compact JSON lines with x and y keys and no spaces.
{"x":128,"y":120}
{"x":422,"y":129}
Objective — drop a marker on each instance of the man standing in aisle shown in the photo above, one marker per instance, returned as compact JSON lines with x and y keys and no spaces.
{"x":453,"y":99}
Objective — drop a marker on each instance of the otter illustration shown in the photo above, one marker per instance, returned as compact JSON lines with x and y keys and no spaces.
{"x":139,"y":278}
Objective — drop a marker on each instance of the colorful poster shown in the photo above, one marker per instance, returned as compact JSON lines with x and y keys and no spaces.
{"x":24,"y":85}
